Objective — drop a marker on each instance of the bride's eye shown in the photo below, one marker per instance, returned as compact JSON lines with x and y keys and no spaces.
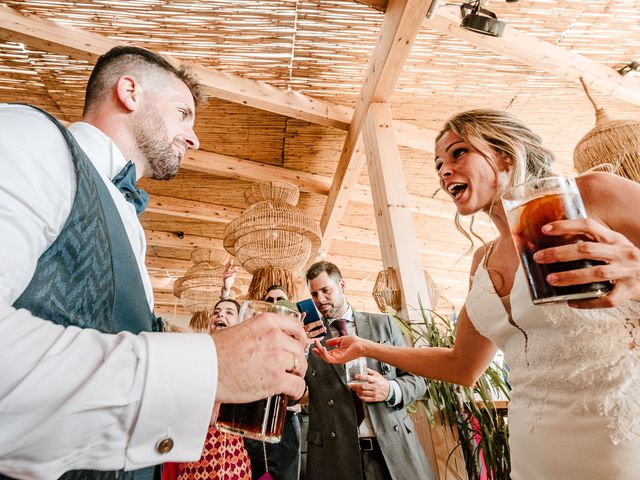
{"x":458,"y":152}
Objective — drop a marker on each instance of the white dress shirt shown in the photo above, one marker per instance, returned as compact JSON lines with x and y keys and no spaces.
{"x":73,"y":398}
{"x":366,"y":427}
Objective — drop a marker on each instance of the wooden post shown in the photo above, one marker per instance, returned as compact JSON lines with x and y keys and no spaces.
{"x":391,"y":204}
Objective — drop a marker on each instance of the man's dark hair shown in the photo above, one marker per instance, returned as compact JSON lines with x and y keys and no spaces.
{"x":317,"y":268}
{"x":124,"y":60}
{"x":275,"y":287}
{"x":230,"y":300}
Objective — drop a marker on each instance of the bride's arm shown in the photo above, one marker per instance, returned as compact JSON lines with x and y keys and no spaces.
{"x":463,"y":364}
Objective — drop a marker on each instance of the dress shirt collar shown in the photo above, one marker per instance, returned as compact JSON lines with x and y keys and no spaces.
{"x":101,"y":150}
{"x":348,"y":315}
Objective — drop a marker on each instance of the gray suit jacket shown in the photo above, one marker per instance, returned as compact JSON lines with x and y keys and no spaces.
{"x":333,"y":451}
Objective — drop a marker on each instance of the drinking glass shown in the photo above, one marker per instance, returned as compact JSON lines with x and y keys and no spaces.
{"x":263,"y":419}
{"x":531,"y":205}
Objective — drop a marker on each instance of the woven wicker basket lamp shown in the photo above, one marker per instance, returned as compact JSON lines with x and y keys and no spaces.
{"x":199,"y":288}
{"x":272,"y":238}
{"x":612,"y":145}
{"x":386,"y":291}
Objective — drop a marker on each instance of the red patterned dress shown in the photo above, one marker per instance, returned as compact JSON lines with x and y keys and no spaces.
{"x":223,"y":458}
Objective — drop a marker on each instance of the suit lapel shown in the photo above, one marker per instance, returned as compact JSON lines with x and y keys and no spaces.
{"x":363,"y":329}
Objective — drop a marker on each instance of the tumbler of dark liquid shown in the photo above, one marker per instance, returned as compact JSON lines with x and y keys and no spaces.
{"x":264,"y":419}
{"x":529,"y":207}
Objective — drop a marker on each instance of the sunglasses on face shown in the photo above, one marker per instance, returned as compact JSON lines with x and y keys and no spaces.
{"x":274,"y":299}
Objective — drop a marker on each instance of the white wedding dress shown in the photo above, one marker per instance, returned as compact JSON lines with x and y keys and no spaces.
{"x":575,"y":405}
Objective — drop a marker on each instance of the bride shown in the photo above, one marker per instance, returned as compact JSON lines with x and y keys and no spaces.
{"x":574,"y":367}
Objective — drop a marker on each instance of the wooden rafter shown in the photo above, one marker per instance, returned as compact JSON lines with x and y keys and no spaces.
{"x":49,"y":36}
{"x":529,"y":50}
{"x":400,"y":26}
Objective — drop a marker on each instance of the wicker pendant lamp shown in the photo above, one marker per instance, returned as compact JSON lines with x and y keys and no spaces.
{"x":199,"y":288}
{"x":272,"y":238}
{"x":613,"y":145}
{"x":386,"y":291}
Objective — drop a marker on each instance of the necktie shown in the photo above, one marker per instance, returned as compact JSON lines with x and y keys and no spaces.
{"x":125,"y":181}
{"x":341,"y":326}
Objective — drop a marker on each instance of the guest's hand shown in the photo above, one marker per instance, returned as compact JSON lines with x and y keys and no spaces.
{"x":346,"y":348}
{"x":260,"y":357}
{"x":315,"y":330}
{"x":228,"y":277}
{"x":376,"y":388}
{"x":621,"y":257}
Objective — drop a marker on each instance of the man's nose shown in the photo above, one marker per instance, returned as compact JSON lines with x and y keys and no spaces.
{"x":192,"y":140}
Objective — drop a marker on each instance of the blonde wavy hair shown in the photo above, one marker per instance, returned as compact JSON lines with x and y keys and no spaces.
{"x":505,"y":134}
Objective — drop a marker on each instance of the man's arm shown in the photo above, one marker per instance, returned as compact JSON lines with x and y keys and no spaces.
{"x":69,"y":397}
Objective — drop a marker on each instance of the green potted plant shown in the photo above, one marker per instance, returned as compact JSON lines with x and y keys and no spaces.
{"x":471,"y":413}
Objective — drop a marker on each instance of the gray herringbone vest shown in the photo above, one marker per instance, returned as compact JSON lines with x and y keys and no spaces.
{"x":89,"y":276}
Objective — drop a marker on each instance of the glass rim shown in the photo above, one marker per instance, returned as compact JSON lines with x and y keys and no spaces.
{"x":269,"y":306}
{"x":504,"y":195}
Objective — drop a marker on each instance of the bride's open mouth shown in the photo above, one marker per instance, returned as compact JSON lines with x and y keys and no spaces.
{"x":456,"y":190}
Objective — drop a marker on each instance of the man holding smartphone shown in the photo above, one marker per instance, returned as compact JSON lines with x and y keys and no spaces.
{"x":359,"y":430}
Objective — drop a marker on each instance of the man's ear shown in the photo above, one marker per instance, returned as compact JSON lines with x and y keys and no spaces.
{"x":128,"y":92}
{"x":342,"y":284}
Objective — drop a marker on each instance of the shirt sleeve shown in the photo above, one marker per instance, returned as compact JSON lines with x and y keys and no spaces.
{"x":73,"y":398}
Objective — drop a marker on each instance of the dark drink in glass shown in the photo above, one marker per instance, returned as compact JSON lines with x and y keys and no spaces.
{"x":261,"y":420}
{"x":531,"y":206}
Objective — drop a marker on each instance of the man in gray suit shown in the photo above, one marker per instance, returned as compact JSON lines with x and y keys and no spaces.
{"x":341,"y":443}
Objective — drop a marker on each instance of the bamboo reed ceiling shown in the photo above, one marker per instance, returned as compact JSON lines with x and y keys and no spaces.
{"x":286,"y":76}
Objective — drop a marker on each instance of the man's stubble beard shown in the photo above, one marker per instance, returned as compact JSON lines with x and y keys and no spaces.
{"x":152,"y":138}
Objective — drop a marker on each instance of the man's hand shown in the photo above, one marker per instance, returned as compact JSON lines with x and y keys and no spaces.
{"x":376,"y":388}
{"x":260,"y":357}
{"x":315,"y":330}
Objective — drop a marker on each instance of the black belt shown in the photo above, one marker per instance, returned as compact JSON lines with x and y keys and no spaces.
{"x":368,"y":444}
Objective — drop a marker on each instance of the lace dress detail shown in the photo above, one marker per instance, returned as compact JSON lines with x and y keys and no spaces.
{"x":579,"y":372}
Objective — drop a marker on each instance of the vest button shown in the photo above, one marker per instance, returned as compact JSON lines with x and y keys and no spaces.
{"x":164,"y":446}
{"x":314,"y":373}
{"x":332,"y":434}
{"x":396,"y":428}
{"x":330,"y":403}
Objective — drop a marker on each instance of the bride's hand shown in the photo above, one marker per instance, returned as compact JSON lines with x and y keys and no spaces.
{"x":345,"y":348}
{"x":621,"y":257}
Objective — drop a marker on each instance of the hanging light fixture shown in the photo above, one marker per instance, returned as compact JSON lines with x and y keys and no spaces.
{"x":272,"y":238}
{"x":387,"y":291}
{"x":480,"y":20}
{"x":199,"y":288}
{"x":612,"y":145}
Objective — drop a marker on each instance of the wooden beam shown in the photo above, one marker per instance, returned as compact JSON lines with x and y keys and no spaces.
{"x":395,"y":226}
{"x":48,"y":36}
{"x":223,"y":165}
{"x":541,"y":55}
{"x":529,"y":50}
{"x":179,"y":207}
{"x":400,"y":26}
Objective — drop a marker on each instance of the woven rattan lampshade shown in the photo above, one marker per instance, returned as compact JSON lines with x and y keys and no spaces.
{"x":612,"y":144}
{"x":386,"y":291}
{"x":199,"y":288}
{"x":272,"y":238}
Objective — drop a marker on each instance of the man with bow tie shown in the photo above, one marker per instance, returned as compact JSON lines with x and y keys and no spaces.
{"x":359,"y":430}
{"x":87,"y":381}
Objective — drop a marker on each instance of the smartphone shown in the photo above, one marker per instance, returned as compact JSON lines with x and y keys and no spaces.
{"x":312,"y":315}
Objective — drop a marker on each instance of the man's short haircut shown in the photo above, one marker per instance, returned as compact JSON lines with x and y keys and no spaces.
{"x":125,"y":60}
{"x":317,"y":268}
{"x":274,"y":287}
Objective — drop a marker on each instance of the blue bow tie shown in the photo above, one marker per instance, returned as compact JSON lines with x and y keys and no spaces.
{"x":125,"y":181}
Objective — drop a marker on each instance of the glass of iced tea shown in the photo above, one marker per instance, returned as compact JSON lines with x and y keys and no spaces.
{"x":264,"y":419}
{"x":529,"y":207}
